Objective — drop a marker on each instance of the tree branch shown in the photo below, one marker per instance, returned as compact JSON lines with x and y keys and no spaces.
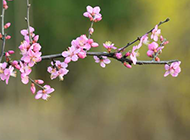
{"x":28,"y":20}
{"x":3,"y":32}
{"x":111,"y":55}
{"x":138,"y":38}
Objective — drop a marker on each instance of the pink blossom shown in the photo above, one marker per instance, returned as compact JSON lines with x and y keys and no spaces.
{"x":93,"y":13}
{"x":44,"y":93}
{"x":58,"y":69}
{"x":33,"y":88}
{"x":71,"y":54}
{"x":127,"y":65}
{"x":153,"y":49}
{"x":143,"y":40}
{"x":33,"y":55}
{"x":24,"y":68}
{"x":39,"y":81}
{"x":24,"y":78}
{"x":118,"y":55}
{"x":103,"y":60}
{"x":109,"y":45}
{"x":155,"y":33}
{"x":5,"y":72}
{"x":134,"y":54}
{"x":173,"y":69}
{"x":25,"y":33}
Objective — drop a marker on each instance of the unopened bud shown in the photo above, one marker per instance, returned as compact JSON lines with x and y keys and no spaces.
{"x":166,"y":42}
{"x":91,"y":30}
{"x":157,"y":59}
{"x":161,"y":38}
{"x":11,"y":52}
{"x":127,"y":65}
{"x":7,"y":25}
{"x":8,"y":37}
{"x":127,"y":54}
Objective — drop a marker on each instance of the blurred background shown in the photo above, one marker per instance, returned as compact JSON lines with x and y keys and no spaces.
{"x":93,"y":103}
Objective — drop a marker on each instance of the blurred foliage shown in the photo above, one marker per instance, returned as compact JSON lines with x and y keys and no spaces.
{"x":95,"y":103}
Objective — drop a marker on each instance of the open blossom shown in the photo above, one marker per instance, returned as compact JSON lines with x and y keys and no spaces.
{"x":83,"y":42}
{"x":93,"y":13}
{"x":5,"y":72}
{"x":103,"y":61}
{"x":134,"y":54}
{"x":32,"y":56}
{"x":109,"y":45}
{"x":71,"y":54}
{"x":25,"y":33}
{"x":153,"y":49}
{"x":155,"y":33}
{"x":58,"y":69}
{"x":173,"y":69}
{"x":143,"y":40}
{"x":44,"y":93}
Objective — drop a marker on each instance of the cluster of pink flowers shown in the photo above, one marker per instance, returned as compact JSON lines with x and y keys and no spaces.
{"x":93,"y":13}
{"x":58,"y":69}
{"x":103,"y":60}
{"x":30,"y":51}
{"x":78,"y":48}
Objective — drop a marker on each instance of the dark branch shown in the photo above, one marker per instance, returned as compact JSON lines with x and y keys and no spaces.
{"x":110,"y":55}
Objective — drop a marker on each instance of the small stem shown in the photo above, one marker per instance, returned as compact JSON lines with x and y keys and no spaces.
{"x":3,"y":33}
{"x":28,"y":20}
{"x":91,"y":26}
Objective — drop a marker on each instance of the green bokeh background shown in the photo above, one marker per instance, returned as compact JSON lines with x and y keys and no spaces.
{"x":93,"y":103}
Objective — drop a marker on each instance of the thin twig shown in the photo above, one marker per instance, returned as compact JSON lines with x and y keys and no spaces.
{"x":138,"y":38}
{"x":3,"y":32}
{"x":91,"y":26}
{"x":28,"y":20}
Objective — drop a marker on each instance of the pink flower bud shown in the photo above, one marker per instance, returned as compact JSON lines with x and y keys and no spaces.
{"x":11,"y":52}
{"x":82,"y":55}
{"x":7,"y":25}
{"x":157,"y":59}
{"x":8,"y":37}
{"x":166,"y":42}
{"x":90,"y":41}
{"x":94,"y":44}
{"x":127,"y":65}
{"x":39,"y":81}
{"x":33,"y":88}
{"x":7,"y":54}
{"x":36,"y":38}
{"x":91,"y":30}
{"x":127,"y":54}
{"x":161,"y":38}
{"x":1,"y":36}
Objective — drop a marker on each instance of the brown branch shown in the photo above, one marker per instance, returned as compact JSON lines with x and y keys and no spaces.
{"x":111,"y":55}
{"x":138,"y":38}
{"x":3,"y":33}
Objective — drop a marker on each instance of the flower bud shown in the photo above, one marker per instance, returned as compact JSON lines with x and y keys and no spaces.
{"x":127,"y":65}
{"x":8,"y":37}
{"x":7,"y":25}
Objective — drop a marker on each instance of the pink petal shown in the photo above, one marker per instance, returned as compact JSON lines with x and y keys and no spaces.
{"x":96,"y":9}
{"x":102,"y":64}
{"x":89,"y":9}
{"x":74,"y":58}
{"x":166,"y":73}
{"x":38,"y":95}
